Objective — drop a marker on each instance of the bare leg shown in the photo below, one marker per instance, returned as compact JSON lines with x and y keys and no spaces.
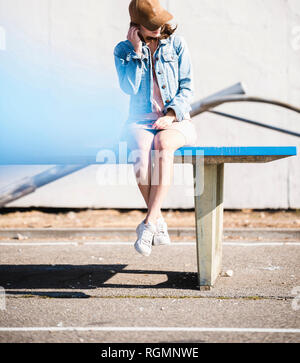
{"x":142,"y":141}
{"x":166,"y":142}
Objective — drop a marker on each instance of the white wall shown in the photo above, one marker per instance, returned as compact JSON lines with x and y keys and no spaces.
{"x":253,"y":41}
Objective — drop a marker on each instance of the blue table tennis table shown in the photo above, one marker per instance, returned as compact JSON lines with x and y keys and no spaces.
{"x":208,"y":173}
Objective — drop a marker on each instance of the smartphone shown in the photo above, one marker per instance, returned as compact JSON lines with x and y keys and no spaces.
{"x":140,"y":35}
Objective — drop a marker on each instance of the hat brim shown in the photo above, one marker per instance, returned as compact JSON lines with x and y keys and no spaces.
{"x":159,"y":20}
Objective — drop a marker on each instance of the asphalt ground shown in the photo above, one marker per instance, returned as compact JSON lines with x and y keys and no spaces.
{"x":88,"y":291}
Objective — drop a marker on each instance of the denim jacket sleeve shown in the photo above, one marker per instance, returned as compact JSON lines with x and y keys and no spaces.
{"x":129,"y":67}
{"x":181,"y":103}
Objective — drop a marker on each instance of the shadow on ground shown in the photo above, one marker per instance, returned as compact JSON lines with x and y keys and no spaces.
{"x":86,"y":277}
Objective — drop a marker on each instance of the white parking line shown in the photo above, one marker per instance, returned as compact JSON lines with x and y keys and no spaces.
{"x":256,"y":244}
{"x":174,"y":244}
{"x":150,"y":329}
{"x":39,"y":244}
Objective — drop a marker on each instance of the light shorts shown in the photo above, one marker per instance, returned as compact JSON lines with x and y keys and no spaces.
{"x":186,"y":127}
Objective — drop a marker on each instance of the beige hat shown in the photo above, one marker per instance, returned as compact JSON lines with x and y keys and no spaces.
{"x":149,"y":13}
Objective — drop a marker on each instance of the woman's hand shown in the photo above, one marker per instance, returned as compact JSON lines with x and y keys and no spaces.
{"x":134,"y":38}
{"x":166,"y":121}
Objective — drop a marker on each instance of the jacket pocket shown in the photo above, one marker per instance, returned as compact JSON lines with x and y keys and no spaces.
{"x":170,"y":57}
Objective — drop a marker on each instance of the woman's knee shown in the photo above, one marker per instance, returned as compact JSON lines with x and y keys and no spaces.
{"x":142,"y":142}
{"x":161,"y":142}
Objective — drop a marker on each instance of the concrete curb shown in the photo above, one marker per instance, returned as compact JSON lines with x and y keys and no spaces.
{"x":263,"y":233}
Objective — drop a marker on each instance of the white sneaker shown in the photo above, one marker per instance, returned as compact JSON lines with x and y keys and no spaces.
{"x":161,"y":237}
{"x":145,"y":233}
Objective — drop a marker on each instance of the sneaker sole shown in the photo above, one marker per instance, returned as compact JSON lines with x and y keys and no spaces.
{"x":160,"y":244}
{"x":141,"y":252}
{"x":154,"y":243}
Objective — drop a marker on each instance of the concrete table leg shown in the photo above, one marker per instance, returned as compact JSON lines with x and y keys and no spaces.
{"x":209,"y":223}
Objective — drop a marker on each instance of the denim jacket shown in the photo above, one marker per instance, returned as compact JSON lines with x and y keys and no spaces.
{"x":173,"y":71}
